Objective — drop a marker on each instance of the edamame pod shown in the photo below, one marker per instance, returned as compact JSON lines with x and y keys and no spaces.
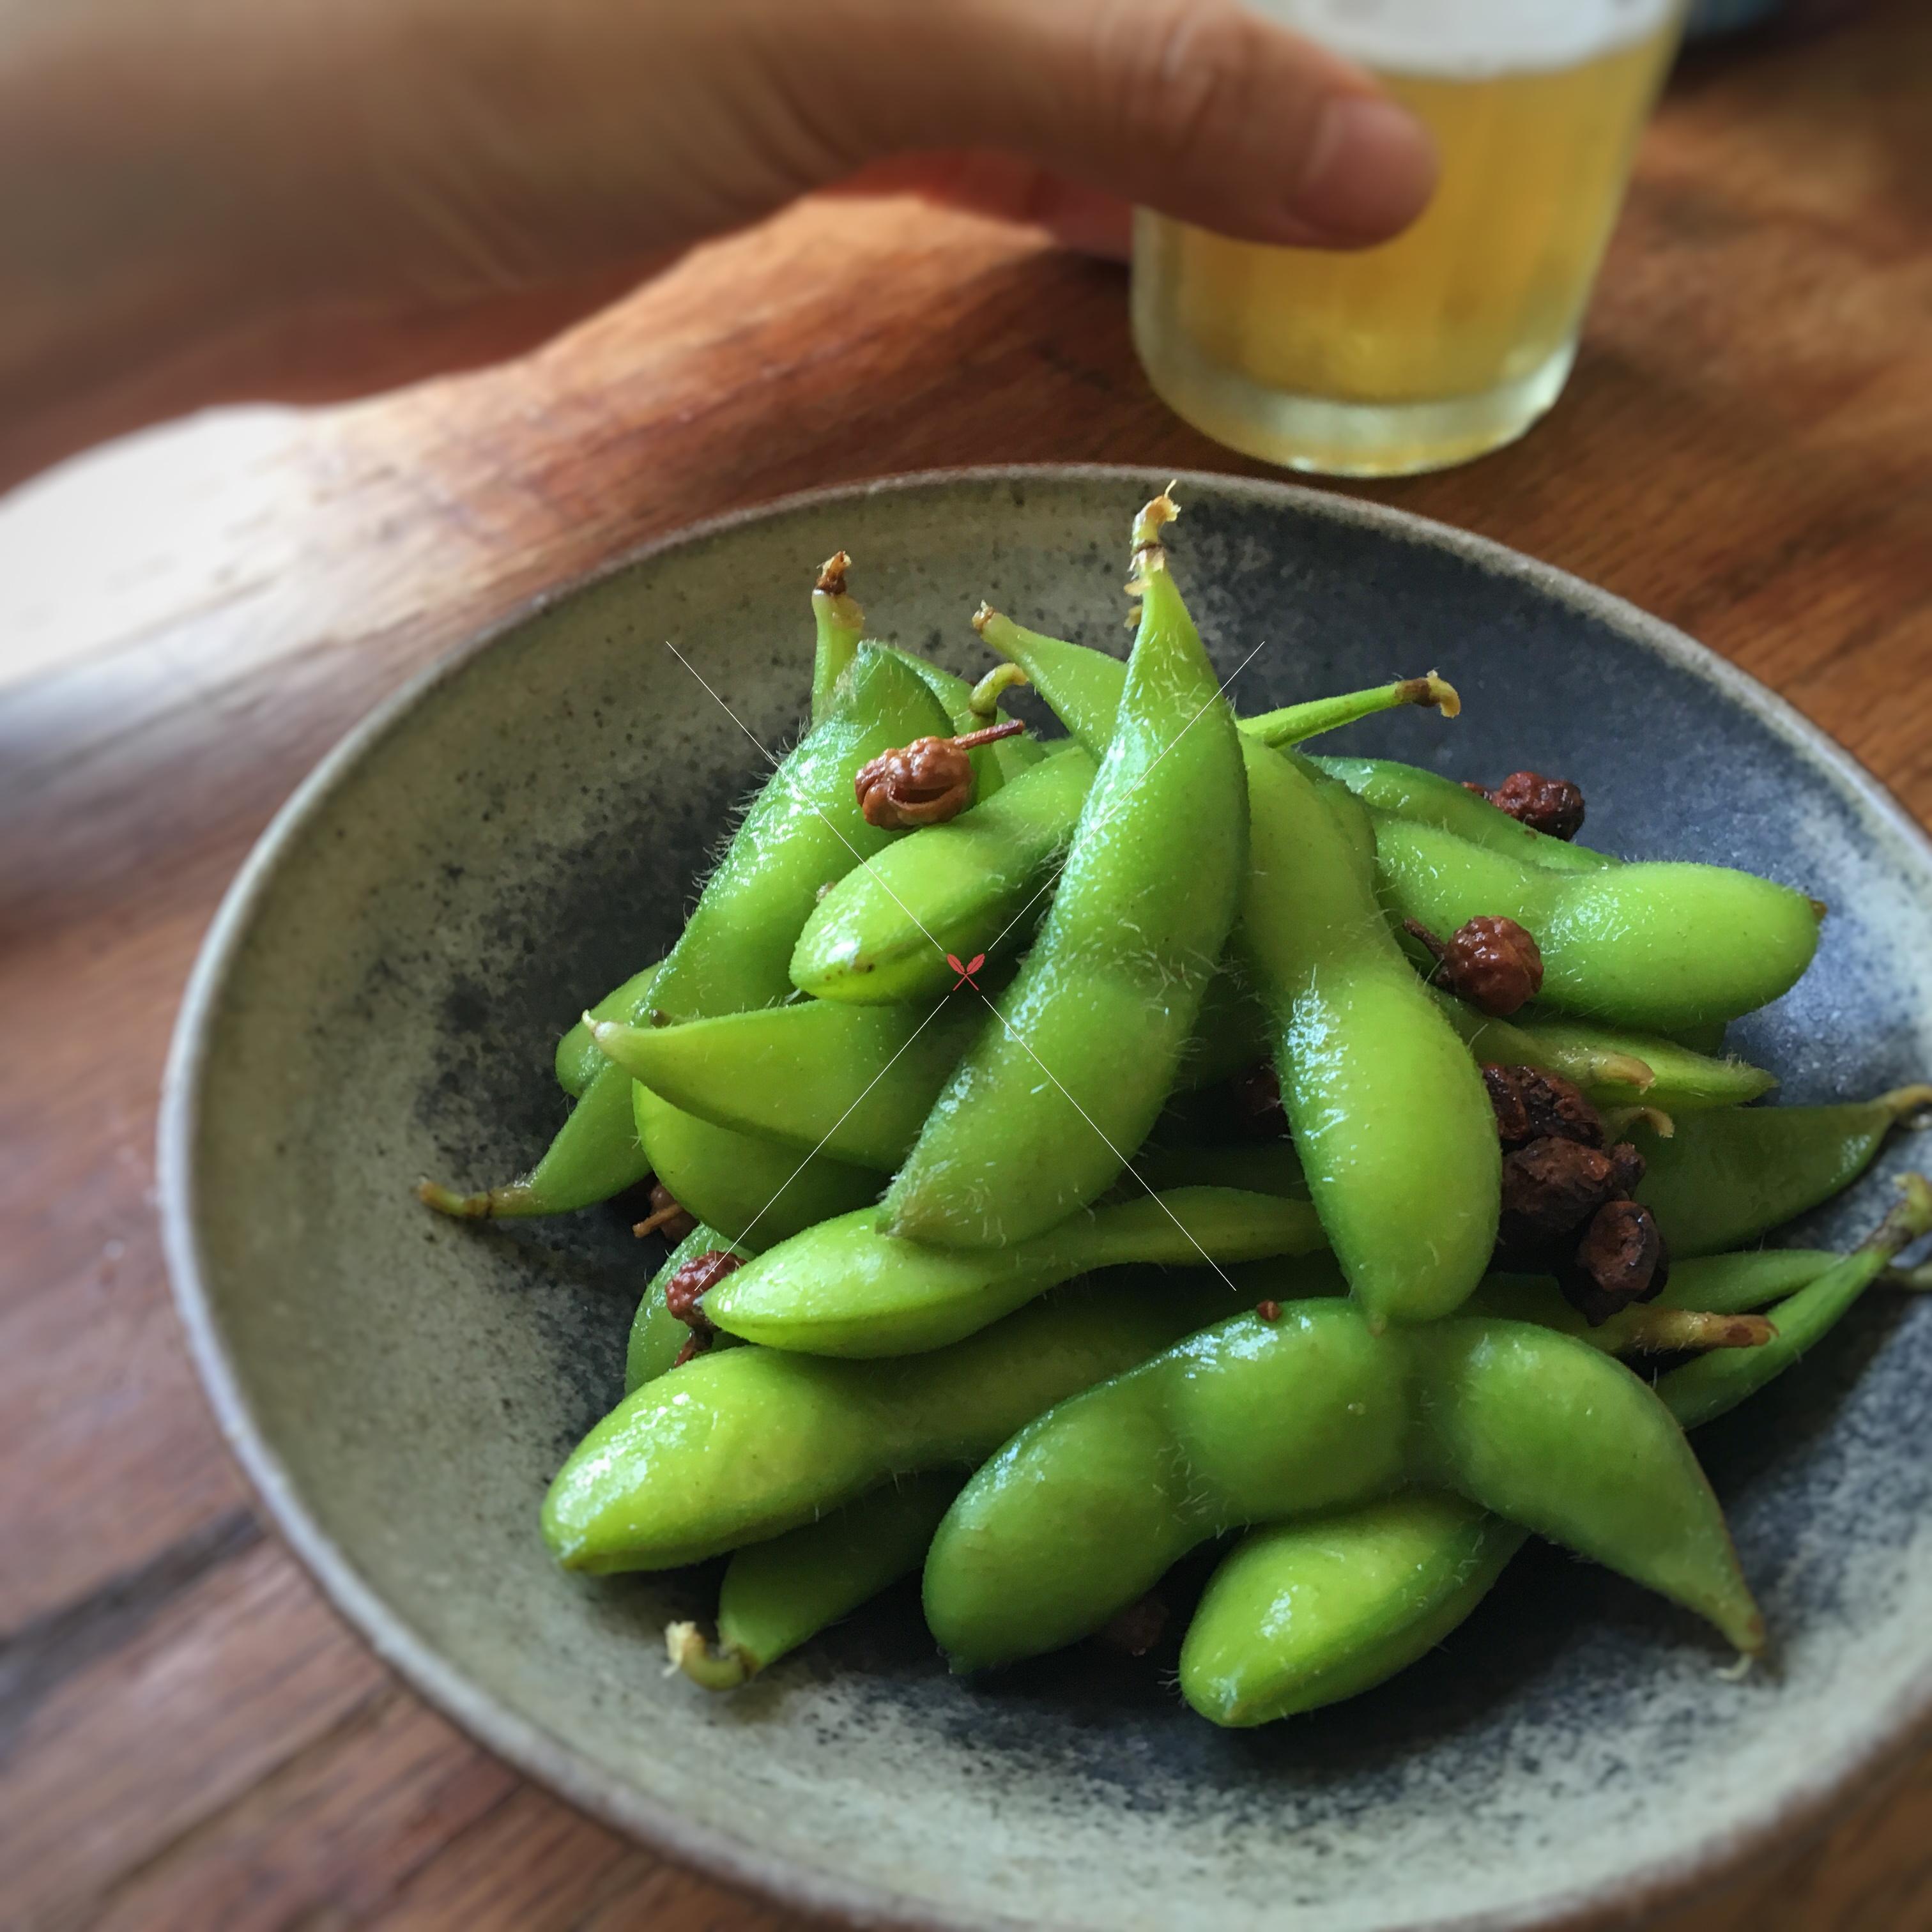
{"x":777,"y":1594}
{"x":844,"y":1288}
{"x":1655,"y":945}
{"x":745,"y":1444}
{"x":595,"y":1154}
{"x":578,"y":1061}
{"x":1391,"y":1121}
{"x":804,"y":828}
{"x":1040,"y":1116}
{"x":1427,"y":798}
{"x":755,"y":1191}
{"x":1304,"y":1614}
{"x":974,"y":885}
{"x":1251,"y":1421}
{"x":970,"y":888}
{"x":1725,"y":1178}
{"x":658,"y":1337}
{"x":857,"y":1083}
{"x":1614,"y":1068}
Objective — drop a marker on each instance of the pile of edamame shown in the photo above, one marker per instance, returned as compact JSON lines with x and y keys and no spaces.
{"x":1079,"y":1151}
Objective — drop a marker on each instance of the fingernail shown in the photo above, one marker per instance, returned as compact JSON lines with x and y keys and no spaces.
{"x":1370,"y":170}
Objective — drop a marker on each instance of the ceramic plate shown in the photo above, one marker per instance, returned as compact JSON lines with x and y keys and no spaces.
{"x":520,"y":830}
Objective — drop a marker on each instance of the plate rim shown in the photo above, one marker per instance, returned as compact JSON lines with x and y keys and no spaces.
{"x":1806,"y":1809}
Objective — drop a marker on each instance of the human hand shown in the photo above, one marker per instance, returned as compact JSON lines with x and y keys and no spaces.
{"x":304,"y":200}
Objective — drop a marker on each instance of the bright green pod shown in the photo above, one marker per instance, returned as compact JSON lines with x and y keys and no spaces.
{"x":854,"y":1083}
{"x":1256,"y":1421}
{"x":1654,"y":946}
{"x":844,"y":1288}
{"x":578,"y":1061}
{"x":804,"y":827}
{"x":1427,"y":798}
{"x":1614,"y":1068}
{"x":1039,"y":1117}
{"x":973,"y":886}
{"x":758,"y":1192}
{"x":1391,"y":1121}
{"x":1725,"y":1177}
{"x":778,"y":1595}
{"x":595,"y":1156}
{"x":857,"y":1083}
{"x":658,"y":1337}
{"x":745,"y":1444}
{"x":1304,"y":1614}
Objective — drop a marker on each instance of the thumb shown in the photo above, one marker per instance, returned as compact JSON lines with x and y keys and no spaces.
{"x":1199,"y":108}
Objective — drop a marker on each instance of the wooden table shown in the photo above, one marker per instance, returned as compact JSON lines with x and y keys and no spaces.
{"x":188,"y":1737}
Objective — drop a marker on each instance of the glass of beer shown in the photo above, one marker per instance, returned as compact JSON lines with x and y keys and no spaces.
{"x":1454,"y":337}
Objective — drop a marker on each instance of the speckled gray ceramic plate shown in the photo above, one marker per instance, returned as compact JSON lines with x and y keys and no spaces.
{"x":378,"y":998}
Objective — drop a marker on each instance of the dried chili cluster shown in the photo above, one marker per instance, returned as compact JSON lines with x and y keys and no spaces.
{"x":1566,"y":1206}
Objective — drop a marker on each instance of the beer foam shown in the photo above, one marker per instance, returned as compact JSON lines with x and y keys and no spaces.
{"x":1469,"y":39}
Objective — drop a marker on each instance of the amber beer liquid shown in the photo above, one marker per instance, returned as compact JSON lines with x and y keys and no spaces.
{"x":1453,"y":338}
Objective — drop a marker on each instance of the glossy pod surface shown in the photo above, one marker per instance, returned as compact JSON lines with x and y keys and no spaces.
{"x":845,"y":1287}
{"x":1391,"y":1122}
{"x":757,"y":1191}
{"x":1661,"y":946}
{"x":968,"y":887}
{"x":1301,"y":1615}
{"x":1074,"y":1064}
{"x":745,"y":1444}
{"x":1257,"y":1421}
{"x":804,"y":827}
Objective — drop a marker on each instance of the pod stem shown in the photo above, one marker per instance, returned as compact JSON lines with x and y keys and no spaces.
{"x":1149,"y":555}
{"x":1618,"y":1121}
{"x":984,"y":701}
{"x":1906,"y":1103}
{"x":493,"y":1203}
{"x":1663,"y":1331}
{"x":724,"y":1668}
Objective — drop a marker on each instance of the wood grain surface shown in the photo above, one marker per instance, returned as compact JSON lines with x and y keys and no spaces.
{"x":188,"y":1737}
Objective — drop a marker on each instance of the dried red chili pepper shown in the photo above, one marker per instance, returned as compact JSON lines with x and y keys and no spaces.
{"x":1620,"y":1260}
{"x":1533,"y":1104}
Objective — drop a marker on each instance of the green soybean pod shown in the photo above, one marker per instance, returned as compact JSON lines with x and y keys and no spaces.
{"x":745,"y":1444}
{"x":1040,"y":1116}
{"x":804,"y":827}
{"x":1427,"y":798}
{"x":1391,"y":1121}
{"x":1255,"y":1421}
{"x":882,"y":934}
{"x":1725,"y":1178}
{"x":1655,"y":945}
{"x":578,"y":1059}
{"x":843,"y":1288}
{"x":857,"y":1083}
{"x":658,"y":1337}
{"x":1304,"y":1614}
{"x":778,"y":1595}
{"x":750,"y":1189}
{"x":594,"y":1155}
{"x":1615,"y":1067}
